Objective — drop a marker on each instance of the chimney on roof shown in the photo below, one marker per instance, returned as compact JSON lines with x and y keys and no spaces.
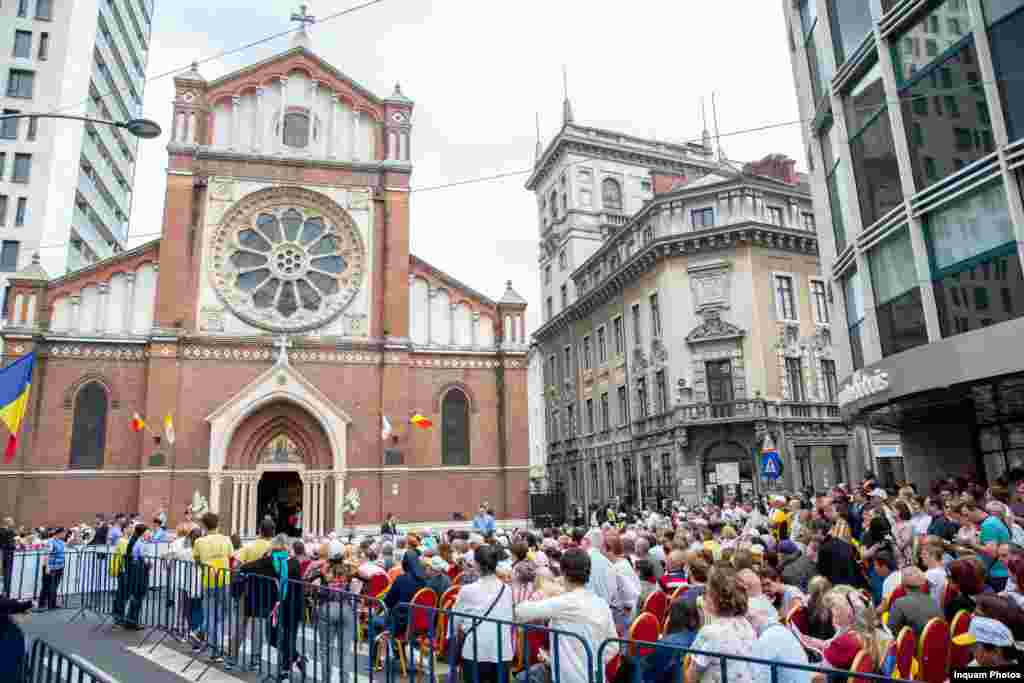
{"x":777,"y":166}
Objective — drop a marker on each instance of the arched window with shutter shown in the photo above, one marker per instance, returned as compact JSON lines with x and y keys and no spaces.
{"x":455,"y":423}
{"x":89,"y":429}
{"x":611,"y":194}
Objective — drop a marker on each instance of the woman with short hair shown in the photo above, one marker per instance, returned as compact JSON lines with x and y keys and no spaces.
{"x":726,"y":631}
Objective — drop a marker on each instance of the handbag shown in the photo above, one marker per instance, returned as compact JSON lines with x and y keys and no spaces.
{"x":460,"y":639}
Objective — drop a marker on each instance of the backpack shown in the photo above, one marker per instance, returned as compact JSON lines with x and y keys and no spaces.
{"x":117,"y":559}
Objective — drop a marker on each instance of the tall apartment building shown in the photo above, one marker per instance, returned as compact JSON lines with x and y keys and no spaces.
{"x":685,"y":323}
{"x":916,"y":138}
{"x":66,"y":186}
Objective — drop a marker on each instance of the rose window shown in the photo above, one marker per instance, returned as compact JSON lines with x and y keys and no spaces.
{"x":288,"y":267}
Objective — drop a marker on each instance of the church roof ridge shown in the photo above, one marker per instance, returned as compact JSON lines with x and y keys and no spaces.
{"x":449,"y":280}
{"x":106,"y":263}
{"x":291,"y":52}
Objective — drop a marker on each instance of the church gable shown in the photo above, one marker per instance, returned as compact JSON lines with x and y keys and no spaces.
{"x":445,"y":312}
{"x":297,"y":60}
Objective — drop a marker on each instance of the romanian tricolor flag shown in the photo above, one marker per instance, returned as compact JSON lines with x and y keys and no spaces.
{"x":138,"y":424}
{"x":15,"y":383}
{"x":421,"y":421}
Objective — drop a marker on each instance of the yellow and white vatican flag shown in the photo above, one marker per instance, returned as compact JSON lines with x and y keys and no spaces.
{"x":385,"y":431}
{"x":169,"y":429}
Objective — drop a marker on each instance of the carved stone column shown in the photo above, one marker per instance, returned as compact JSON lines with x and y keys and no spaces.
{"x":252,"y":515}
{"x":332,"y":127}
{"x":353,"y":132}
{"x":307,"y":486}
{"x":339,"y":494}
{"x":76,"y":311}
{"x":278,"y":146}
{"x":233,"y":122}
{"x":215,"y":480}
{"x":236,"y":491}
{"x":102,"y":302}
{"x":259,"y":125}
{"x":129,"y":302}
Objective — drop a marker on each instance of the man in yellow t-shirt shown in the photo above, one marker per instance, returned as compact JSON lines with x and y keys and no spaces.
{"x":251,"y":552}
{"x":212,"y":553}
{"x":779,"y":518}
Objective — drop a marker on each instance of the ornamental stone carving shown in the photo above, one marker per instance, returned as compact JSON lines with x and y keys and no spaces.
{"x":713,"y":329}
{"x":286,"y":259}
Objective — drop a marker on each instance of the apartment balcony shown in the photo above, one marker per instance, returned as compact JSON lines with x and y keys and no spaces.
{"x":119,"y":61}
{"x":116,"y":18}
{"x":93,"y":234}
{"x":114,"y":144}
{"x":654,"y":423}
{"x":756,"y":409}
{"x":615,"y":219}
{"x":113,"y":225}
{"x":109,"y":175}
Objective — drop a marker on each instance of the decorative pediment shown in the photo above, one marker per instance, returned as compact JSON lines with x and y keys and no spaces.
{"x":714,"y":329}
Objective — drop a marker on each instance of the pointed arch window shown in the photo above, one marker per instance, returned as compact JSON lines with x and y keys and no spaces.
{"x":455,"y":423}
{"x":89,"y":428}
{"x":611,"y":193}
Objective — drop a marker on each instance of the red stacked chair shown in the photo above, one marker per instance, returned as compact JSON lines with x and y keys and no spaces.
{"x":798,"y":617}
{"x":933,"y":652}
{"x":906,"y":647}
{"x":948,"y":594}
{"x":656,"y":604}
{"x":959,"y":655}
{"x":444,"y":605}
{"x":863,"y":663}
{"x":645,"y":628}
{"x":421,"y":612}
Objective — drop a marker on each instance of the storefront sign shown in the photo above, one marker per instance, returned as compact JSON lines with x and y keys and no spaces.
{"x":862,"y":385}
{"x":727,"y":472}
{"x":888,"y":452}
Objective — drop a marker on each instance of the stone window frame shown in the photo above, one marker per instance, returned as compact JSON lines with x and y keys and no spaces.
{"x":81,"y":387}
{"x":445,"y":433}
{"x":794,"y":282}
{"x":700,"y":358}
{"x":811,"y":279}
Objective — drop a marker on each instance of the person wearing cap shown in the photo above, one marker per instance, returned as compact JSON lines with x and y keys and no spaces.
{"x":53,"y":568}
{"x":916,"y":608}
{"x":991,"y":643}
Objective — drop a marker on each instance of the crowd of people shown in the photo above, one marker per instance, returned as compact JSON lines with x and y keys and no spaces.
{"x":861,"y":562}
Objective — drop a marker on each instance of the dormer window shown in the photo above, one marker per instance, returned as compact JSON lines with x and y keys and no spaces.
{"x":296,"y":130}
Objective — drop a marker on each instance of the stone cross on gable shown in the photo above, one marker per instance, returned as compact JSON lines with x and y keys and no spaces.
{"x":282,"y":345}
{"x":303,"y":17}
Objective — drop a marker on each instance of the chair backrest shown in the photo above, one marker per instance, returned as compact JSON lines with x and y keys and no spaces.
{"x":448,"y":597}
{"x":677,"y":593}
{"x":395,"y":572}
{"x":863,"y":663}
{"x":457,"y":579}
{"x":959,"y":655}
{"x":656,"y":604}
{"x":421,"y":611}
{"x":377,"y":585}
{"x":798,"y":617}
{"x":949,"y":593}
{"x":933,"y":652}
{"x":644,"y":628}
{"x":906,"y":647}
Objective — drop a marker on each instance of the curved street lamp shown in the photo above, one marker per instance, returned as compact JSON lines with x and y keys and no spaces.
{"x":145,"y":129}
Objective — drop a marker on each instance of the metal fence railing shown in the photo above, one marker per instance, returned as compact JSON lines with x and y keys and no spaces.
{"x":251,"y":620}
{"x":47,"y":664}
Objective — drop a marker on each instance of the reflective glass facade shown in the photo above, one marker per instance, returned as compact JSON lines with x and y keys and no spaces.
{"x":925,"y":234}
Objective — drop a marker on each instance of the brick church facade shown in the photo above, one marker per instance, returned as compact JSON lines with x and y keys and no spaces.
{"x":278,"y":319}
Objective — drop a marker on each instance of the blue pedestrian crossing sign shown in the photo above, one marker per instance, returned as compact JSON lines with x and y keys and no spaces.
{"x":771,"y":464}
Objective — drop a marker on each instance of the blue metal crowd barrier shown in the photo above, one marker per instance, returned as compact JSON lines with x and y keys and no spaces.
{"x":330,"y":635}
{"x":636,"y":656}
{"x":47,"y":664}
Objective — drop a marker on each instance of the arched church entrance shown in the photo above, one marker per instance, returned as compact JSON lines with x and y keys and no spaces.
{"x":279,"y":497}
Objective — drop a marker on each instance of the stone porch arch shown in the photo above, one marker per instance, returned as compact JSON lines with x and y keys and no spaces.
{"x":279,"y":384}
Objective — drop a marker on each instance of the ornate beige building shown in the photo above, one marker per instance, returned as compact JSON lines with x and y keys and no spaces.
{"x":685,"y":323}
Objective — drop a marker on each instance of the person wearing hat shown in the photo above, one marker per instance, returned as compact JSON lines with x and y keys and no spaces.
{"x":917,"y":607}
{"x":991,"y":643}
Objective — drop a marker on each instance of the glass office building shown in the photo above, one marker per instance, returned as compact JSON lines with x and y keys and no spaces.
{"x":914,"y":130}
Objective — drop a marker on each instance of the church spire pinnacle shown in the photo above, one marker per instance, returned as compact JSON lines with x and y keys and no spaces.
{"x":304,"y":18}
{"x":566,"y":104}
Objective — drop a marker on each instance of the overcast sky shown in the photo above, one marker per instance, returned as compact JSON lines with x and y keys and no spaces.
{"x":479,"y":72}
